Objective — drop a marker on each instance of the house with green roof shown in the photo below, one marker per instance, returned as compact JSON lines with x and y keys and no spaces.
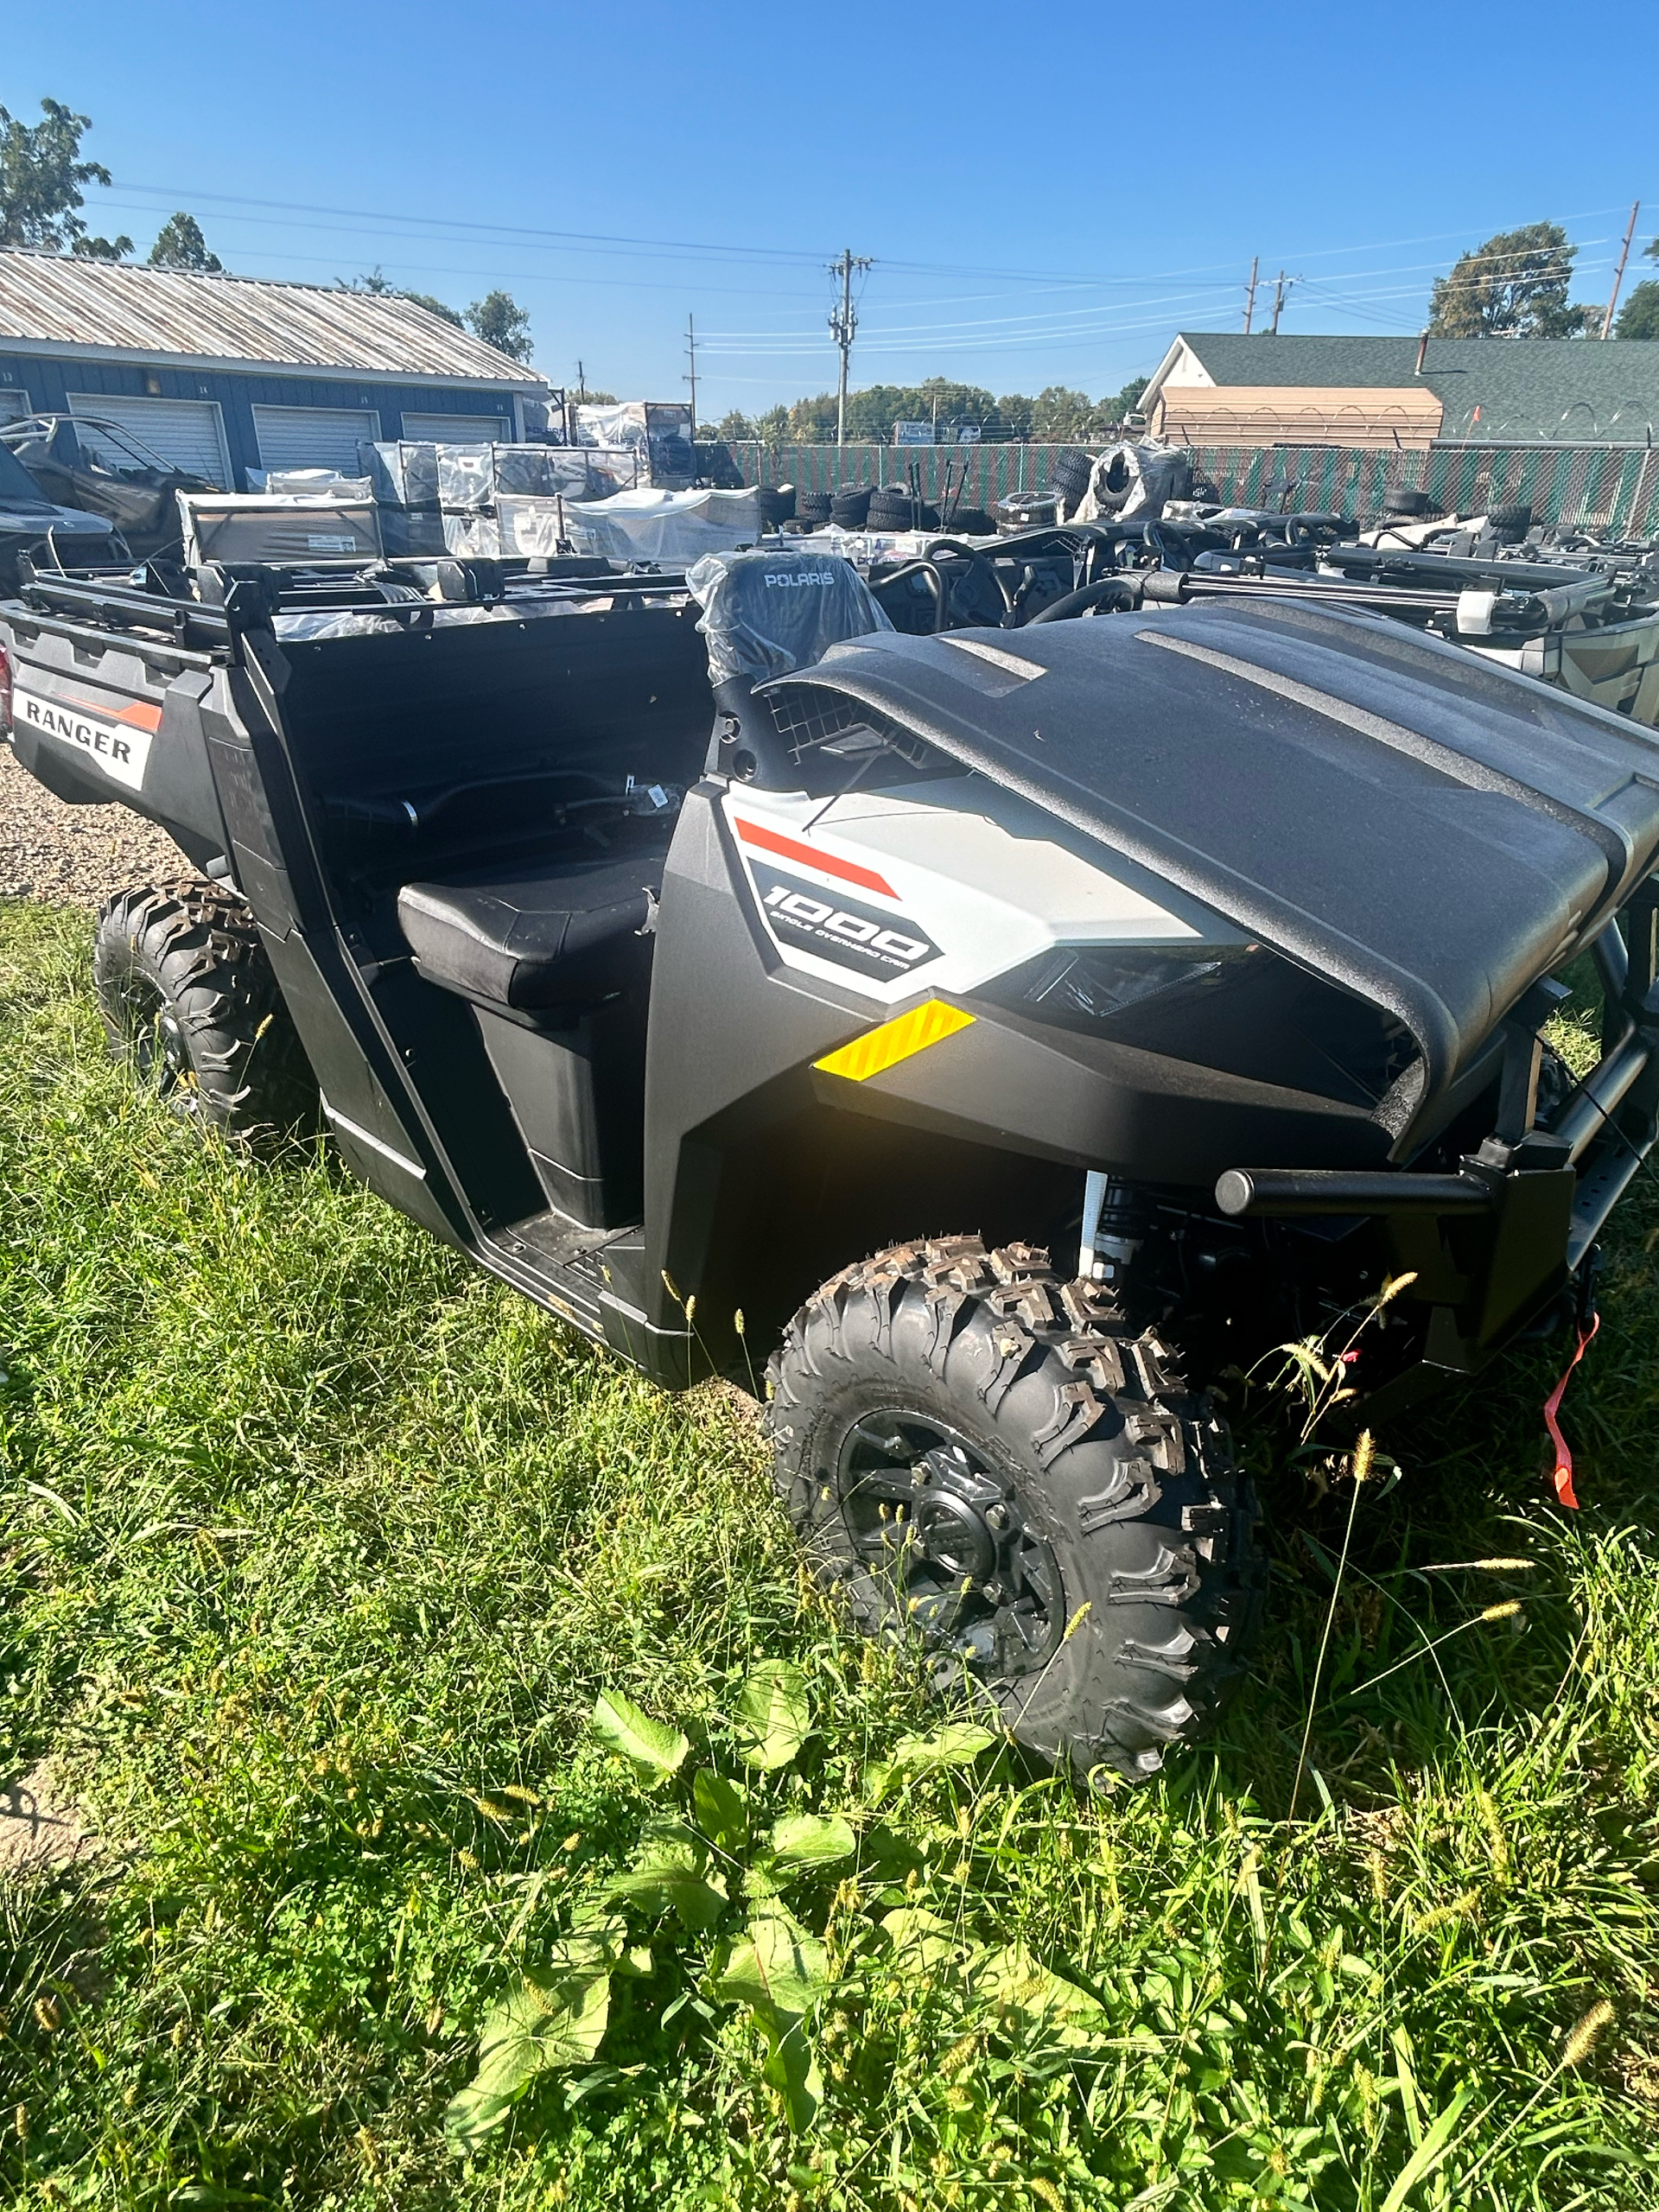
{"x":1232,"y":388}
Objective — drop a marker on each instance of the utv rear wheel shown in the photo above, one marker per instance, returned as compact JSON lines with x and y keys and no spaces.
{"x":190,"y":1003}
{"x":975,"y":1451}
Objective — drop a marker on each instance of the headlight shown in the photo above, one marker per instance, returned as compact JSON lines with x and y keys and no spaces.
{"x":1241,"y":1009}
{"x":1086,"y":985}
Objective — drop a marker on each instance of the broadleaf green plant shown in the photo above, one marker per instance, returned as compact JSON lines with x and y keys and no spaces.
{"x":773,"y":1717}
{"x":689,"y":1863}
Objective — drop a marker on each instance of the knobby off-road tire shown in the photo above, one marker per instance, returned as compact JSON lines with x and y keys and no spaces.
{"x":970,"y":1447}
{"x":190,"y":1003}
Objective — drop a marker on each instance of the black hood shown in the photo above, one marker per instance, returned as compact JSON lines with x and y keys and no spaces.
{"x":1425,"y":828}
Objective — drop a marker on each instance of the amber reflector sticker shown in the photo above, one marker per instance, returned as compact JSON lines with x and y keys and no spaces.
{"x":878,"y":1049}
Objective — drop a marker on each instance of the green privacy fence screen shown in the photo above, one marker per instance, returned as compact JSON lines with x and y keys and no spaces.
{"x":1602,"y":488}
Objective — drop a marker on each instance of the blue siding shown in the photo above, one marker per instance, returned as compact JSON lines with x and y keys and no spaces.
{"x":49,"y":381}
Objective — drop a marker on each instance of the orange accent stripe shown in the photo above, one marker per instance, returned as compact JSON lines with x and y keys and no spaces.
{"x":884,"y":1047}
{"x":826,"y":863}
{"x":141,"y":715}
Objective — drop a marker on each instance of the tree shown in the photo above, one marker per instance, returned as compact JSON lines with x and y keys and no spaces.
{"x":1515,"y":286}
{"x":180,"y":244}
{"x":812,"y":421}
{"x":90,"y":249}
{"x":1113,"y":411}
{"x":1639,"y":316}
{"x":41,"y":181}
{"x":734,"y":427}
{"x":772,"y":427}
{"x":499,"y":320}
{"x":376,"y":283}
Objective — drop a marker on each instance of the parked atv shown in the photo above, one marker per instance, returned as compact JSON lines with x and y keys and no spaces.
{"x":99,"y":467}
{"x":38,"y":528}
{"x":1017,"y":1027}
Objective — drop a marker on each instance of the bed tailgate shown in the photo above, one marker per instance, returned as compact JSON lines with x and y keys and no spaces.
{"x":103,"y":720}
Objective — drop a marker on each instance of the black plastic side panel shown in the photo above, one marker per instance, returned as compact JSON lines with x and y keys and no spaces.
{"x":1091,"y":1103}
{"x":366,"y":1124}
{"x":112,"y":680}
{"x":576,"y":1096}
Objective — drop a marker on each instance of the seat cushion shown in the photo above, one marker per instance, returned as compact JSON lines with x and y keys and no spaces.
{"x":562,"y":935}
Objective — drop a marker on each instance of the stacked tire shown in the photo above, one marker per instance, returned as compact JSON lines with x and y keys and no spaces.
{"x":892,"y":508}
{"x":1068,"y":478}
{"x":1025,"y":510}
{"x":849,"y":507}
{"x":777,"y":505}
{"x":812,"y":509}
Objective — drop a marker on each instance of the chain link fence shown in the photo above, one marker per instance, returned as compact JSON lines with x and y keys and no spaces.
{"x":1612,"y":489}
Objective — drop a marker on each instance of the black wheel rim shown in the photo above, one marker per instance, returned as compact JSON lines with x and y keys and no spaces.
{"x":933,"y":1518}
{"x":154,"y":1036}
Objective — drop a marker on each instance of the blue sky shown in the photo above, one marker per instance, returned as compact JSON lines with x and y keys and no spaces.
{"x":1039,"y":210}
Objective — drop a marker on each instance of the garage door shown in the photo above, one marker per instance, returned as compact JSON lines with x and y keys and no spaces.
{"x":187,"y":433}
{"x":313,"y":437}
{"x":460,"y":430}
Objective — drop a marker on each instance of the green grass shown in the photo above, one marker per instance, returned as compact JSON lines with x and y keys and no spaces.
{"x":316,"y":1548}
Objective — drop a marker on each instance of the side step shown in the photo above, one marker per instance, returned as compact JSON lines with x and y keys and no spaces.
{"x":593,"y":1278}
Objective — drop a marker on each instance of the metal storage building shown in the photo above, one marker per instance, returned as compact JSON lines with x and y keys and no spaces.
{"x":221,"y":374}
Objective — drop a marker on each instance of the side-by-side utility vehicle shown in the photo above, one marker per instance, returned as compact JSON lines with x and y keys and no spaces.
{"x":1018,"y":1026}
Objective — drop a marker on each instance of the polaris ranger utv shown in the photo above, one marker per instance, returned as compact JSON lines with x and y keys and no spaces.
{"x":1016,"y":1025}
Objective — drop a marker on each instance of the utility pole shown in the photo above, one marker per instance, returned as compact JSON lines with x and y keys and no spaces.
{"x":844,"y":321}
{"x":1619,"y":273}
{"x":1279,"y":290}
{"x":691,"y":355}
{"x":1249,"y":296}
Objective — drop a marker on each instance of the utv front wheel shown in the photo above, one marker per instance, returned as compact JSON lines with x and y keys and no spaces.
{"x":973,"y":1450}
{"x":191,"y":1004}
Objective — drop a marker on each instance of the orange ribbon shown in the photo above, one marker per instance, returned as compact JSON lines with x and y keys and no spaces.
{"x":1562,"y":1476}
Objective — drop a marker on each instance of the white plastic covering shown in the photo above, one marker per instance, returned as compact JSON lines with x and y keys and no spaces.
{"x":472,"y":537}
{"x":615,"y":468}
{"x":528,"y":526}
{"x":633,"y":423}
{"x":465,"y":478}
{"x":658,"y":432}
{"x":669,"y":527}
{"x":1135,"y":480}
{"x":770,"y":613}
{"x":302,"y":483}
{"x":359,"y":622}
{"x":404,"y":475}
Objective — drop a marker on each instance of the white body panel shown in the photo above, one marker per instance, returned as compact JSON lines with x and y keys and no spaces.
{"x":119,"y":750}
{"x":972,"y":872}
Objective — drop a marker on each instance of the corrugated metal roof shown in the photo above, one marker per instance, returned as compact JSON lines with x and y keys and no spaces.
{"x":1505,"y":388}
{"x":61,"y":301}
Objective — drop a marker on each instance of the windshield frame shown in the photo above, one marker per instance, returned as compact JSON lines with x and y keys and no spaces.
{"x":19,"y":493}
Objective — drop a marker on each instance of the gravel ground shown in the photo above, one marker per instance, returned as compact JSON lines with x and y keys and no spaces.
{"x":74,"y":856}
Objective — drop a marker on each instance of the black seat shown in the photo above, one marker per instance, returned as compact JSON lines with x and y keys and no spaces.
{"x":564,"y":935}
